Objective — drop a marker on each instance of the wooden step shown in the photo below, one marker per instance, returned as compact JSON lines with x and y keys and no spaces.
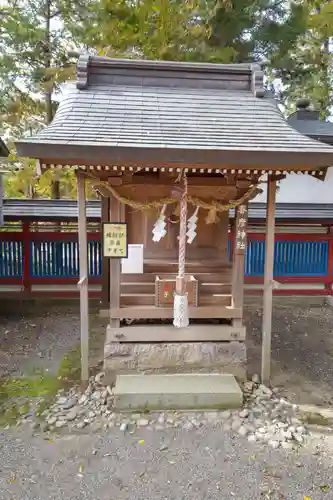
{"x":137,"y":299}
{"x":212,"y":288}
{"x":191,"y":267}
{"x":140,"y":288}
{"x":138,"y":278}
{"x":215,"y":300}
{"x":142,"y":312}
{"x":202,"y":277}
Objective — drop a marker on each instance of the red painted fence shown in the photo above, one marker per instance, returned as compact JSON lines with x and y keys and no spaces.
{"x":46,"y":263}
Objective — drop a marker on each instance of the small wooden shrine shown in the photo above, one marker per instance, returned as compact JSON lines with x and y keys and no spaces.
{"x":171,"y":147}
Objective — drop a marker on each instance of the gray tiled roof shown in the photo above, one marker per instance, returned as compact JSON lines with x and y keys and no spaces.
{"x":158,"y":117}
{"x":314,"y":128}
{"x":208,"y":120}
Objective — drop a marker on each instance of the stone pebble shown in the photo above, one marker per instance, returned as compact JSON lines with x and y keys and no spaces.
{"x":265,"y":418}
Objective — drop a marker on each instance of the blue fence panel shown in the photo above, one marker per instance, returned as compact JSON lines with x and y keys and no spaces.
{"x":255,"y":258}
{"x":291,"y":258}
{"x":11,"y":259}
{"x":95,"y":258}
{"x":301,"y":258}
{"x":61,"y":259}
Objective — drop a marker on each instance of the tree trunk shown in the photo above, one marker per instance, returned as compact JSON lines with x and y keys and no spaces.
{"x":55,"y":188}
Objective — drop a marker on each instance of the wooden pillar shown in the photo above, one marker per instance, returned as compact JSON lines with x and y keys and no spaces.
{"x":268,"y":283}
{"x":83,"y":283}
{"x":241,"y":216}
{"x":105,"y":260}
{"x":116,"y":215}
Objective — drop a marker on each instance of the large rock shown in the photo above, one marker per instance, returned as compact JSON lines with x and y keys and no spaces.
{"x":176,"y":391}
{"x":225,"y":357}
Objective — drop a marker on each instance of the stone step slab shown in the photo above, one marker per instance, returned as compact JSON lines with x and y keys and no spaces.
{"x":177,"y":392}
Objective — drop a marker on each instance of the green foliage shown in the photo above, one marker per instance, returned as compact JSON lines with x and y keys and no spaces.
{"x":149,"y":29}
{"x":37,"y":36}
{"x":33,"y":62}
{"x":306,"y":69}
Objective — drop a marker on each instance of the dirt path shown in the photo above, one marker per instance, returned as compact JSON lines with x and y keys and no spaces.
{"x":302,"y":345}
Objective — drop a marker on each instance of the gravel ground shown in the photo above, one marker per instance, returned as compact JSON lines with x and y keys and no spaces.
{"x":302,"y":345}
{"x":148,"y":465}
{"x":302,"y":349}
{"x":174,"y":463}
{"x":37,"y":340}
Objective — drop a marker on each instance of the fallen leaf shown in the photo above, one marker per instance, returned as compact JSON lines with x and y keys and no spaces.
{"x":324,"y":488}
{"x":12,"y":478}
{"x":142,"y":441}
{"x":306,"y":498}
{"x":81,"y":468}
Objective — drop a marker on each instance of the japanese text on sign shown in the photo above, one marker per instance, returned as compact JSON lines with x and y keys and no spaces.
{"x":115,"y":240}
{"x":241,"y":224}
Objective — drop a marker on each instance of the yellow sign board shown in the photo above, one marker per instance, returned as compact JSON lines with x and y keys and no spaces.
{"x":115,"y":240}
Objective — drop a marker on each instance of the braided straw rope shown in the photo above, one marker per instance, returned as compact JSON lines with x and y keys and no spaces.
{"x":212,"y":207}
{"x":182,"y":231}
{"x":180,"y":304}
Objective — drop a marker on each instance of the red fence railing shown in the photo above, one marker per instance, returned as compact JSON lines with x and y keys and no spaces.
{"x":47,"y":261}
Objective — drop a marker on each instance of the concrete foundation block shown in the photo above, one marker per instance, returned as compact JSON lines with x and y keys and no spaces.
{"x":224,"y":357}
{"x":176,"y":392}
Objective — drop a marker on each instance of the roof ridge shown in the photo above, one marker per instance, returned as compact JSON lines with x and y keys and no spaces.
{"x":97,"y":67}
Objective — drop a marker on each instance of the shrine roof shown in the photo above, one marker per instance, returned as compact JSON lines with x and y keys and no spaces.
{"x":308,"y":122}
{"x":130,"y":112}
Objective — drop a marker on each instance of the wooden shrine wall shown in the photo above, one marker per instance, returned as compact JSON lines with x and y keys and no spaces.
{"x":211,"y":241}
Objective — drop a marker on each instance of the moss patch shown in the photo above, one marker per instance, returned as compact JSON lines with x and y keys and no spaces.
{"x":16,"y":394}
{"x":315,"y":419}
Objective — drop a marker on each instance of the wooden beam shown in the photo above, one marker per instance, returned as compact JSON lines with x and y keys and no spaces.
{"x":268,"y":283}
{"x":152,"y":312}
{"x":83,"y":283}
{"x":115,"y":269}
{"x":168,"y":333}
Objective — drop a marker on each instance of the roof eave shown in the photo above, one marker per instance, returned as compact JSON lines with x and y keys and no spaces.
{"x":97,"y":154}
